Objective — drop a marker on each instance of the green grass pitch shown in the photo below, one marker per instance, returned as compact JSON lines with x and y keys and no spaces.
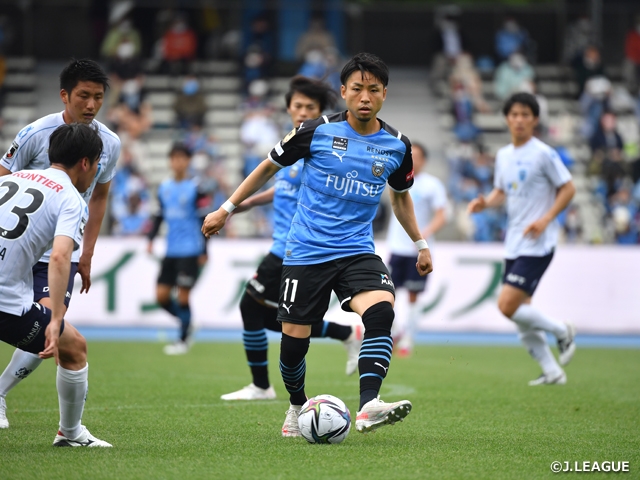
{"x":474,"y":417}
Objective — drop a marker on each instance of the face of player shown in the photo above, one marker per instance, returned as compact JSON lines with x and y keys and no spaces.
{"x":87,"y":174}
{"x":418,"y":158}
{"x":363,"y":94}
{"x":179,"y":164}
{"x":521,"y":123}
{"x":83,"y":103}
{"x":302,"y":108}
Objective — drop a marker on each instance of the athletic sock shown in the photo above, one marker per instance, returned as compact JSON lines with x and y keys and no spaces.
{"x":184,"y":315}
{"x":536,"y":343}
{"x":21,"y":365}
{"x":375,"y":353}
{"x":331,"y":330}
{"x":293,"y":366}
{"x":72,"y":393}
{"x":534,"y":319}
{"x":413,"y":312}
{"x":256,"y":347}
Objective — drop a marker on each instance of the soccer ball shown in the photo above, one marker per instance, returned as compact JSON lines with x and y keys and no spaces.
{"x":324,"y":419}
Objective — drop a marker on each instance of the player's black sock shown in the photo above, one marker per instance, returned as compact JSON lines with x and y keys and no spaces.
{"x":170,"y":307}
{"x":331,"y":330}
{"x":293,"y":366}
{"x":375,"y":353}
{"x":184,"y":314}
{"x":254,"y":338}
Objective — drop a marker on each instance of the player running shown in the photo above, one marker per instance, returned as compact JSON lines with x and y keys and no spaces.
{"x":82,"y":88}
{"x":306,"y":100}
{"x":429,"y":200}
{"x":349,"y":157}
{"x":40,"y":208}
{"x":181,"y":202}
{"x":536,"y":186}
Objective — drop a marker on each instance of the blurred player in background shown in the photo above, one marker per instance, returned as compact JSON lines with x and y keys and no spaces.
{"x":83,"y":84}
{"x":349,"y":157}
{"x":182,"y":205}
{"x":40,"y":208}
{"x":306,"y":100}
{"x":537,"y":186}
{"x":429,"y":201}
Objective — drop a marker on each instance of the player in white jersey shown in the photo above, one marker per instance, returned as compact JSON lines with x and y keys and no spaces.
{"x":536,"y":186}
{"x":82,"y":88}
{"x":429,"y":202}
{"x":40,"y":209}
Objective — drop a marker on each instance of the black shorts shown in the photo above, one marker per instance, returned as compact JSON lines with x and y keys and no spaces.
{"x":305,"y":290}
{"x":525,"y":272}
{"x":41,"y":282}
{"x":27,"y":332}
{"x":265,"y":284}
{"x":404,"y":273}
{"x":179,"y":271}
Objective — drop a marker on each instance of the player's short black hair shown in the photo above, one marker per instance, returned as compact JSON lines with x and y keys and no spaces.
{"x":522,"y":98}
{"x":425,"y":152}
{"x":314,"y":89}
{"x":366,"y":62}
{"x":70,"y":143}
{"x":180,"y":147}
{"x":84,"y":70}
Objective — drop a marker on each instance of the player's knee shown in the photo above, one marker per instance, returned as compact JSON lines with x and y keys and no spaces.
{"x":507,"y":307}
{"x":377,"y":319}
{"x":73,"y":349}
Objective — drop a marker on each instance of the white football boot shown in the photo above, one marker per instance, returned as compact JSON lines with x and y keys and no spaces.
{"x":4,"y":423}
{"x":376,"y":413}
{"x":251,"y":392}
{"x":567,"y":346}
{"x":178,"y":348}
{"x":290,"y":427}
{"x":85,"y":439}
{"x":559,"y":379}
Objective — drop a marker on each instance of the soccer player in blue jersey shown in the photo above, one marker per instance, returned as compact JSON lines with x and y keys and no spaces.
{"x":181,"y":202}
{"x":83,"y":85}
{"x":536,"y":186}
{"x":349,"y":158}
{"x":306,"y":100}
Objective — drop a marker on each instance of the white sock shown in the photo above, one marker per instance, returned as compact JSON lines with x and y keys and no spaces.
{"x":410,"y":326}
{"x":72,"y":392}
{"x":22,"y":364}
{"x":529,"y":316}
{"x":536,"y":343}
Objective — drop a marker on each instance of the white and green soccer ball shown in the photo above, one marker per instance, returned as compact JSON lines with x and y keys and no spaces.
{"x":324,"y":419}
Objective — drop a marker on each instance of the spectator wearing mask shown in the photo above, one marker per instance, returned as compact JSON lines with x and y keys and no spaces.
{"x":449,"y":43}
{"x":317,"y":37}
{"x":510,"y":39}
{"x":179,"y":46}
{"x":510,"y":76}
{"x":587,"y":66}
{"x":190,"y":103}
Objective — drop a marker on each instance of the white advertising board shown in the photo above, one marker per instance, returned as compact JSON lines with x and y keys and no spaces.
{"x":596,"y":287}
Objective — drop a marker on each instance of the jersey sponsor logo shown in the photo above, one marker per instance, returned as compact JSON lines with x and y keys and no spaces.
{"x":12,"y":150}
{"x":32,"y":334}
{"x":289,"y":135}
{"x":349,"y":184}
{"x":36,"y":177}
{"x":385,"y":280}
{"x":338,"y":155}
{"x":287,"y":308}
{"x":378,"y":151}
{"x":377,"y":168}
{"x":24,"y":131}
{"x":409,"y":176}
{"x":340,"y":143}
{"x":513,"y":278}
{"x":22,"y":373}
{"x":522,"y":174}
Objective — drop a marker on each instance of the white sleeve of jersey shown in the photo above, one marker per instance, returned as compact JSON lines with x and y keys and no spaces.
{"x":20,"y":153}
{"x":72,"y":219}
{"x":110,"y":169}
{"x":497,"y":175}
{"x":555,"y":170}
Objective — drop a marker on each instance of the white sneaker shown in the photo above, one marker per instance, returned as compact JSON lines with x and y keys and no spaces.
{"x":353,"y":344}
{"x":543,"y":379}
{"x":290,"y":427}
{"x":85,"y":439}
{"x":178,"y":348}
{"x":376,"y":414}
{"x":251,"y":392}
{"x":4,"y":423}
{"x":567,"y":346}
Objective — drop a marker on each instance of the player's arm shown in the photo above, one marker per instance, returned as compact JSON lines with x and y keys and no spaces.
{"x":262,"y":198}
{"x":256,"y":179}
{"x":494,"y":199}
{"x":156,"y":222}
{"x":4,"y":171}
{"x":402,"y":206}
{"x":97,"y":207}
{"x":59,"y":268}
{"x":564,"y":195}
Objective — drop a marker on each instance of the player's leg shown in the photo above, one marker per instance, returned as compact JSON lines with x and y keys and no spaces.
{"x":405,"y":344}
{"x":365,"y":288}
{"x":22,"y":363}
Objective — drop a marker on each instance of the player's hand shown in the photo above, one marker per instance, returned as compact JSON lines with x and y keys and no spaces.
{"x":477,"y":205}
{"x":536,"y":228}
{"x":84,"y":269}
{"x":214,"y":222}
{"x":52,"y":335}
{"x":424,"y":265}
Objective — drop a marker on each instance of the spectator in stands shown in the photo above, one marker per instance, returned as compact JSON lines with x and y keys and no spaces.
{"x":322,"y":65}
{"x":462,"y":105}
{"x":578,"y":37}
{"x":179,"y":46}
{"x":122,"y":32}
{"x":129,"y":198}
{"x":572,"y":224}
{"x":625,"y":218}
{"x":606,"y":137}
{"x":465,"y":73}
{"x":259,"y":50}
{"x":190,"y":103}
{"x":631,"y":66}
{"x":593,"y":103}
{"x":131,"y":116}
{"x":587,"y":66}
{"x":449,"y":42}
{"x":511,"y":74}
{"x":257,"y":132}
{"x":512,"y":38}
{"x":317,"y":37}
